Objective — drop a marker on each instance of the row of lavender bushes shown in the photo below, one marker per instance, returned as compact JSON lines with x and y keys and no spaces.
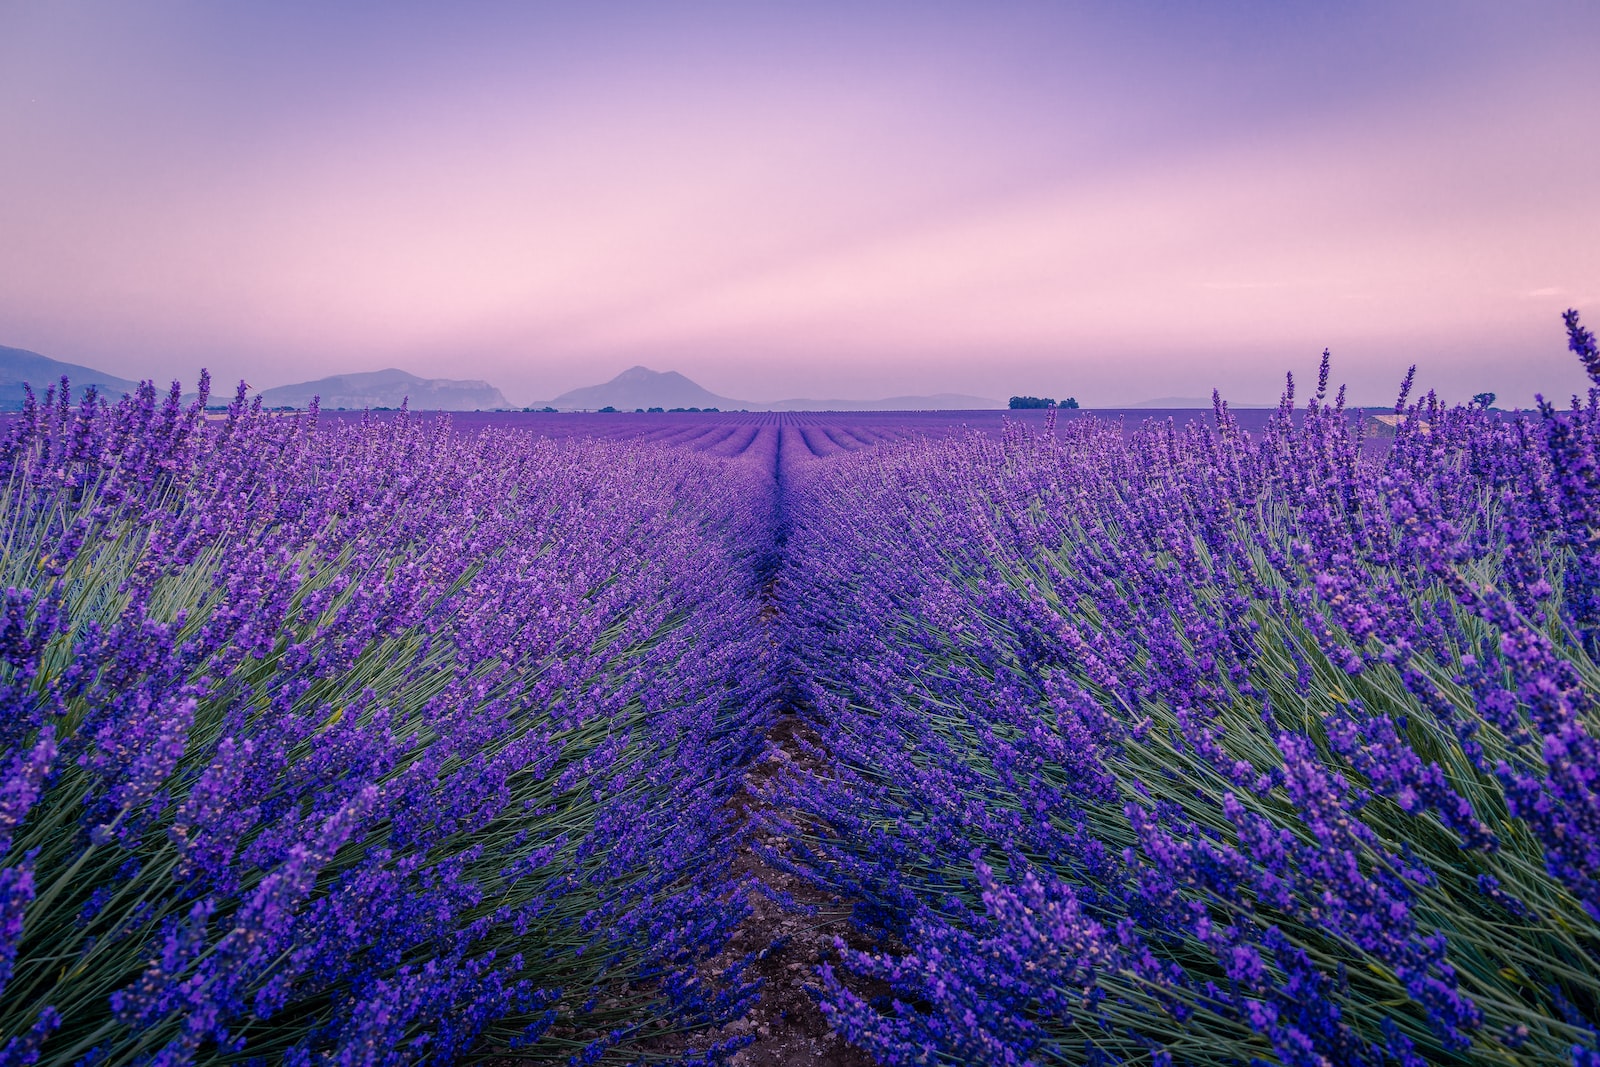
{"x":366,"y":744}
{"x":1174,"y":745}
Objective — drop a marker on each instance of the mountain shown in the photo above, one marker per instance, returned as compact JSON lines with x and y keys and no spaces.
{"x":18,"y":365}
{"x":386,"y":389}
{"x":641,"y":387}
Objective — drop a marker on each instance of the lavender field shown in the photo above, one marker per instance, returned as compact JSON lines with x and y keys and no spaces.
{"x":1228,"y":738}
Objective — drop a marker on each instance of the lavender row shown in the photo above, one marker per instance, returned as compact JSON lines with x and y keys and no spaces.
{"x":367,"y":744}
{"x":822,"y":434}
{"x":1203,"y":746}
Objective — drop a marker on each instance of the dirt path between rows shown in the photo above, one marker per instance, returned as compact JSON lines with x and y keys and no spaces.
{"x":787,"y":1025}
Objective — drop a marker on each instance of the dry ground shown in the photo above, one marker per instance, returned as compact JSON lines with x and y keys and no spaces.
{"x":788,"y":1027}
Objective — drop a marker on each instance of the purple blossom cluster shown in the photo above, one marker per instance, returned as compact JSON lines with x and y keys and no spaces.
{"x":1262,"y":739}
{"x":371,"y":742}
{"x":1201,"y":744}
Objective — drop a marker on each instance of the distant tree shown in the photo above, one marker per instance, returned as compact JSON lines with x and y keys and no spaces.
{"x":656,"y":411}
{"x":638,"y":411}
{"x":1070,"y":402}
{"x":608,"y":410}
{"x":551,"y":410}
{"x":710,"y":409}
{"x":1031,"y":402}
{"x":1483,"y":400}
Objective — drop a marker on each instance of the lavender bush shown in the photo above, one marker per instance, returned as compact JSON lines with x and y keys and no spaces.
{"x":373,"y":741}
{"x":371,"y":744}
{"x":1202,"y":746}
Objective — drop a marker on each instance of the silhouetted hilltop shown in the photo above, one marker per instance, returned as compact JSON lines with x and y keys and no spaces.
{"x":641,"y":387}
{"x":387,"y":389}
{"x":19,"y":366}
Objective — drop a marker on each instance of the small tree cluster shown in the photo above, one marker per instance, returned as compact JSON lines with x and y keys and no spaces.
{"x":1041,"y":402}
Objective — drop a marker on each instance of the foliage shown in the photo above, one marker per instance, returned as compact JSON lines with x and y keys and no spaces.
{"x":374,"y":743}
{"x":1201,"y":746}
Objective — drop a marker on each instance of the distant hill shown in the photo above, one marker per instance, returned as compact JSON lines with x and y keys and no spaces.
{"x":387,"y":389}
{"x":641,"y":387}
{"x":18,"y":365}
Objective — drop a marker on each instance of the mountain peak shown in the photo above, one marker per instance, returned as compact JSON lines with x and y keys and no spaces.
{"x":387,"y":388}
{"x":19,"y":365}
{"x":641,"y":387}
{"x":642,"y":374}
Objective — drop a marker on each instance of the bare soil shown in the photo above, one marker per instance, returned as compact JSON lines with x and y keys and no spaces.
{"x":786,"y":1023}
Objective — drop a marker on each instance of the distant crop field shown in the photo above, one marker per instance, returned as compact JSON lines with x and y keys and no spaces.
{"x":981,"y":737}
{"x":859,"y":428}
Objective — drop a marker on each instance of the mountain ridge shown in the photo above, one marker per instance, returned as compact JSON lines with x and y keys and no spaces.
{"x":388,"y":389}
{"x":636,"y":387}
{"x":641,"y":387}
{"x":19,"y":366}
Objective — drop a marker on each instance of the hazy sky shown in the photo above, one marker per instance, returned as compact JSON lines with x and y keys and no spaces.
{"x":1116,"y":200}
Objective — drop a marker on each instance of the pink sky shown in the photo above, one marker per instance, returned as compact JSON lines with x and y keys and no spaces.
{"x":1111,"y":201}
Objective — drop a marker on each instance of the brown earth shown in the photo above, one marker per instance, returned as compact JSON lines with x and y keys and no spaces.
{"x":788,"y":1027}
{"x":785,"y":1023}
